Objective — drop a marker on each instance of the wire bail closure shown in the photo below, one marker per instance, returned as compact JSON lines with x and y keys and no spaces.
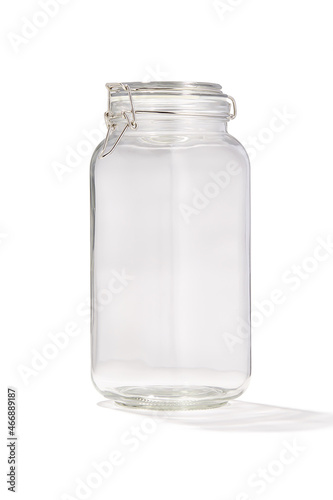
{"x":234,"y":107}
{"x":129,"y":116}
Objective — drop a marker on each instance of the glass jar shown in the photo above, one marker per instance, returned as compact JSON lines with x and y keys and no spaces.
{"x":170,"y":280}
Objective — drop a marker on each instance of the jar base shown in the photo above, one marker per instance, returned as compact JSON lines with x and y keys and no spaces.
{"x":170,"y":398}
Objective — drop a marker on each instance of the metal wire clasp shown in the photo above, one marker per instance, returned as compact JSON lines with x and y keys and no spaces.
{"x":233,"y":113}
{"x":128,"y":115}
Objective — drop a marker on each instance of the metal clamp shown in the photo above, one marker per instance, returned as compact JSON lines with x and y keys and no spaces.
{"x":108,"y":116}
{"x":234,"y":107}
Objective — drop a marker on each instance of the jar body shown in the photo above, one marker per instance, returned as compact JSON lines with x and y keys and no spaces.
{"x":170,"y":270}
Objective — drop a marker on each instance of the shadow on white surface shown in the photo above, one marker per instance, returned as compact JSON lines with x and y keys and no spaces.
{"x":239,"y":416}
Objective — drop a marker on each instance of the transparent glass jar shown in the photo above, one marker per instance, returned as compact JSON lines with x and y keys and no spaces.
{"x":170,"y":268}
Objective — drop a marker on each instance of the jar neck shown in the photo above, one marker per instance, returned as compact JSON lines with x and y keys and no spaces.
{"x":159,"y":123}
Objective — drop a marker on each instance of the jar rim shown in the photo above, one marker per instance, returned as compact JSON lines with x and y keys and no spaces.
{"x":172,"y":87}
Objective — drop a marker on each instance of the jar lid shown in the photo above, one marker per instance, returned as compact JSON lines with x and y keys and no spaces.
{"x":172,"y":87}
{"x":173,"y":97}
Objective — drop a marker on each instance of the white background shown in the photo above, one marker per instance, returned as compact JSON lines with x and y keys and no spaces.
{"x":272,"y":57}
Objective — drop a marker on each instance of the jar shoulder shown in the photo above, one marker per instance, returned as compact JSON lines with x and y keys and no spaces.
{"x":129,"y":146}
{"x":238,"y":147}
{"x":96,"y":154}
